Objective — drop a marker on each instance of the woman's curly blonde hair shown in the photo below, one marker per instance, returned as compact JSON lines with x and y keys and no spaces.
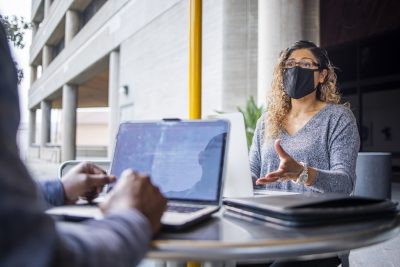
{"x":278,"y":102}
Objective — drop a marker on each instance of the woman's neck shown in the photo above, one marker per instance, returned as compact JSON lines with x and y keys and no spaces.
{"x":305,"y":104}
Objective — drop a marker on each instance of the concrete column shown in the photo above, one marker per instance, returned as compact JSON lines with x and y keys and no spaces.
{"x":280,"y":24}
{"x":35,"y":27}
{"x":47,"y":4}
{"x":46,"y":56}
{"x":71,"y":25}
{"x":33,"y":73}
{"x":113,"y":101}
{"x":239,"y":53}
{"x":32,"y":126}
{"x":45,"y":106}
{"x":69,"y":106}
{"x":311,"y":29}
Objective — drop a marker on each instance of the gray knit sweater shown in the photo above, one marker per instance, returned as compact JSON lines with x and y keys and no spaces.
{"x":329,"y":142}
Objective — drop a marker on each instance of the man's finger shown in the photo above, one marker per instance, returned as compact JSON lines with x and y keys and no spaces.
{"x":89,"y":196}
{"x":94,"y":169}
{"x":100,"y":179}
{"x":279,"y":150}
{"x":79,"y":168}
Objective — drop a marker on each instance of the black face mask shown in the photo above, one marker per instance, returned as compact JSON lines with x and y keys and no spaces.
{"x":298,"y":82}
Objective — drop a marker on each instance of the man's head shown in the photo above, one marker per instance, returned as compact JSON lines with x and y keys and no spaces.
{"x":9,"y":106}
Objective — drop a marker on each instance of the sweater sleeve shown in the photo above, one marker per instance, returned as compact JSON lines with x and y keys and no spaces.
{"x":255,"y":150}
{"x":121,"y":239}
{"x":29,"y":237}
{"x":343,"y":147}
{"x":52,"y":192}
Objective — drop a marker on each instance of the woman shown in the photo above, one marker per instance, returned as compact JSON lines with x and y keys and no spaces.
{"x":305,"y":141}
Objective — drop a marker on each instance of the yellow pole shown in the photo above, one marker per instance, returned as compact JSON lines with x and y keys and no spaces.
{"x":195,"y":60}
{"x":195,"y":70}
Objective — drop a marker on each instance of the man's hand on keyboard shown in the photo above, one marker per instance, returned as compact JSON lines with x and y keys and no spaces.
{"x":85,"y":180}
{"x":135,"y":191}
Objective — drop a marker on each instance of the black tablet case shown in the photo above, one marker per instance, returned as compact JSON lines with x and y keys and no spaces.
{"x":310,"y":209}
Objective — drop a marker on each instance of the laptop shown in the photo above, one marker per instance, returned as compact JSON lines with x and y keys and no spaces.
{"x":310,"y":209}
{"x":185,"y":159}
{"x":238,"y":181}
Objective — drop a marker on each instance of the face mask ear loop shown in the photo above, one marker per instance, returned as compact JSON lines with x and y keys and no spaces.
{"x":319,"y":86}
{"x":320,"y":69}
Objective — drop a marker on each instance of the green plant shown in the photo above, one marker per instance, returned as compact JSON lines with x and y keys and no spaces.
{"x":15,"y":28}
{"x":251,"y":114}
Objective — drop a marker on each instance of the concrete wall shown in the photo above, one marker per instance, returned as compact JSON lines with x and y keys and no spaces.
{"x":152,"y":38}
{"x":49,"y":24}
{"x":92,"y":135}
{"x":154,"y":61}
{"x":239,"y":51}
{"x":103,"y":33}
{"x":153,"y":64}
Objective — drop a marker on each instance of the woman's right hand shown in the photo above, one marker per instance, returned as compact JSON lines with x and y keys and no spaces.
{"x":288,"y":169}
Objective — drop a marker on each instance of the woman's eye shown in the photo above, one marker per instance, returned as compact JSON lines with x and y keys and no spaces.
{"x":290,"y":64}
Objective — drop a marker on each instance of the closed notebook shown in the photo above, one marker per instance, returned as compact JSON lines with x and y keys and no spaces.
{"x":310,"y":209}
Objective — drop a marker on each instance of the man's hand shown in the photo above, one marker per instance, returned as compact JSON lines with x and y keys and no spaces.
{"x":84,"y":180}
{"x":288,"y":167}
{"x":135,"y":191}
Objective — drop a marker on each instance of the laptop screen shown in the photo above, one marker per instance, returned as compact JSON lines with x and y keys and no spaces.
{"x":183,"y":158}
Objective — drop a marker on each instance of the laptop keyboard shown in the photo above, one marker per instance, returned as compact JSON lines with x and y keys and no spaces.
{"x":182,"y":209}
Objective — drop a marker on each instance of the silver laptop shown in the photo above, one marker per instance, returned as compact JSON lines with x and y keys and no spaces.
{"x":238,"y":181}
{"x":185,"y":159}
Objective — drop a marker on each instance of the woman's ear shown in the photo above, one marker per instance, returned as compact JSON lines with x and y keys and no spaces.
{"x":322,"y":76}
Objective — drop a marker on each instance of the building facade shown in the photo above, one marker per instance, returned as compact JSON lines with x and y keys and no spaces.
{"x":132,"y":57}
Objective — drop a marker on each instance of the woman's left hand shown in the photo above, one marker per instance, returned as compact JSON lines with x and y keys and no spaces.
{"x":288,"y":168}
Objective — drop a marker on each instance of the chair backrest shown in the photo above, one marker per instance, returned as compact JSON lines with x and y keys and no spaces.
{"x":374,"y":175}
{"x":67,"y":165}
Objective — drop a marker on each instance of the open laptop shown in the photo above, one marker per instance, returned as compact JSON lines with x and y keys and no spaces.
{"x":238,"y":181}
{"x":185,"y":159}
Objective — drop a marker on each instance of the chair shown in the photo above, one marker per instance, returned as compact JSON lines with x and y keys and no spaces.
{"x":373,"y":179}
{"x":374,"y":175}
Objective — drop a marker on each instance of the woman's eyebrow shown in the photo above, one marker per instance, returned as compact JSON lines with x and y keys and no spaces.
{"x":302,"y":58}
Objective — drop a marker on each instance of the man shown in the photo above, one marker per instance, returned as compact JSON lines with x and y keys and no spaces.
{"x":28,"y":237}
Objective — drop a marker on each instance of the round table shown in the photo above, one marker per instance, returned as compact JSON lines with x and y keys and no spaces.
{"x":225,"y":238}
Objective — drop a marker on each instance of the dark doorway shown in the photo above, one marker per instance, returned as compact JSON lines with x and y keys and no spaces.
{"x":363,"y":40}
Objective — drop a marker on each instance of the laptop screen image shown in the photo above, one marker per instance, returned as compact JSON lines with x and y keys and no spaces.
{"x":184,"y":159}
